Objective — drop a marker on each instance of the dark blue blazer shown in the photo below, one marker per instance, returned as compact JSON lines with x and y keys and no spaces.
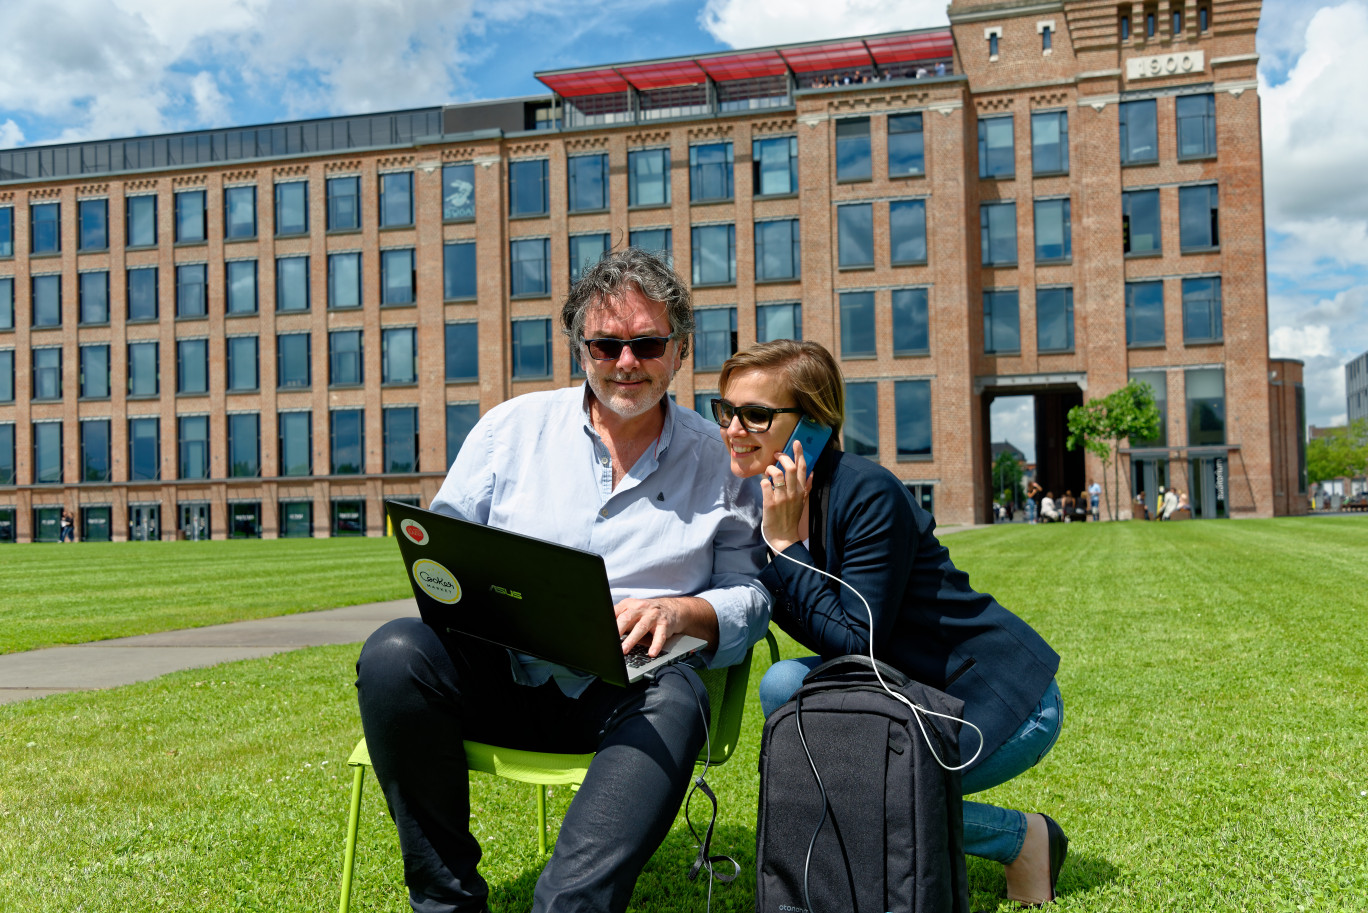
{"x":928,"y":622}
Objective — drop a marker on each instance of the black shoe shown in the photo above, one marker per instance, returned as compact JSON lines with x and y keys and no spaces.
{"x":1059,"y":849}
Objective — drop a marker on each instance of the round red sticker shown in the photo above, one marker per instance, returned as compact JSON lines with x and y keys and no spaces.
{"x":414,"y":531}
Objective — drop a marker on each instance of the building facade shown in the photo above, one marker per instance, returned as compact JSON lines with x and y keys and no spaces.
{"x":1356,"y":388}
{"x":267,"y":331}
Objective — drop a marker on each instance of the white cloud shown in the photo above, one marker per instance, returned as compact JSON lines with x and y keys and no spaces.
{"x":753,"y":23}
{"x":1013,"y":420}
{"x":10,"y":135}
{"x":211,"y":105}
{"x":1300,"y":342}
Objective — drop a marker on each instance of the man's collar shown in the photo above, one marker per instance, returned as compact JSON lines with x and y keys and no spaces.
{"x":666,"y":430}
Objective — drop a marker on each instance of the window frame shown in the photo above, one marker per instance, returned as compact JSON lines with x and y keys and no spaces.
{"x":1000,"y":304}
{"x":336,"y":356}
{"x":595,"y":174}
{"x":45,"y":307}
{"x":185,"y":290}
{"x":577,"y":258}
{"x":848,"y":246}
{"x":191,"y":216}
{"x":45,"y":228}
{"x":335,"y":203}
{"x":398,"y":262}
{"x":240,"y":425}
{"x":862,"y":404}
{"x":703,"y":249}
{"x":460,"y":350}
{"x":1190,"y":221}
{"x":712,"y":181}
{"x":83,"y":302}
{"x":454,"y":212}
{"x":1065,"y":229}
{"x":104,"y":450}
{"x":287,"y":373}
{"x":763,"y":309}
{"x":281,"y":194}
{"x":137,"y":385}
{"x":183,"y":357}
{"x":145,"y":274}
{"x":521,"y":368}
{"x":990,"y":156}
{"x":84,"y":387}
{"x":450,"y":283}
{"x":917,"y":147}
{"x":854,"y":155}
{"x":759,"y":163}
{"x":860,"y":341}
{"x":336,"y":279}
{"x":1128,"y":219}
{"x":235,"y":350}
{"x":232,"y":228}
{"x":141,"y":421}
{"x":707,"y":339}
{"x":528,"y":179}
{"x":83,"y":242}
{"x":46,"y":375}
{"x":1151,"y":308}
{"x":1205,"y":121}
{"x":230,"y":295}
{"x":911,"y":312}
{"x":285,"y":420}
{"x":133,"y":233}
{"x":768,"y":250}
{"x":341,"y":467}
{"x":520,"y":277}
{"x":636,"y":175}
{"x":1067,"y":317}
{"x":1125,"y":110}
{"x":988,"y":222}
{"x":1214,"y":330}
{"x":905,"y":438}
{"x":392,"y":437}
{"x":1061,"y":143}
{"x":393,"y":360}
{"x":396,"y":199}
{"x":283,"y":292}
{"x":918,"y":226}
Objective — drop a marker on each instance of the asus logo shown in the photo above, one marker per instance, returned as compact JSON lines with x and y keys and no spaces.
{"x":502,"y":592}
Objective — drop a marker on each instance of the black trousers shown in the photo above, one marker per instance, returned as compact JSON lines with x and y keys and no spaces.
{"x":422,"y":693}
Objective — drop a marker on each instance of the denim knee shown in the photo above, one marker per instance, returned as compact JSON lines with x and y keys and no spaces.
{"x":782,"y":679}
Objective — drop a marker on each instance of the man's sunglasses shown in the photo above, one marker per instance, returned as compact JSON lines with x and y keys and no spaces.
{"x":755,"y":419}
{"x":642,"y":347}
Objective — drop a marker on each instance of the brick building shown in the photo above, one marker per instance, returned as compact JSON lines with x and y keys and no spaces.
{"x":266,"y":331}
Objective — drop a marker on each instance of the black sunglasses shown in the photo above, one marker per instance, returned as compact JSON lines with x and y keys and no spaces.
{"x":642,"y":347}
{"x":755,"y":419}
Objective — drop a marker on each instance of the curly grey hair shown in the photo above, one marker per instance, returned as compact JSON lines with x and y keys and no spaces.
{"x":615,"y":273}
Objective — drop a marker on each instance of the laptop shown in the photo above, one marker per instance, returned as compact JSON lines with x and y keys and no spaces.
{"x":526,"y":594}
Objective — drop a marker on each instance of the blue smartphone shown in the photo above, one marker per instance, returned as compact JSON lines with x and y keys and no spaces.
{"x":814,"y":436}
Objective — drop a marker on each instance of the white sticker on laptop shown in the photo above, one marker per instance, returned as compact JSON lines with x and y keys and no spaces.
{"x":436,"y":581}
{"x":414,"y":532}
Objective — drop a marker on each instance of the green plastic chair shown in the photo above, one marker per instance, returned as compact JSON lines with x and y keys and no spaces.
{"x":726,"y":694}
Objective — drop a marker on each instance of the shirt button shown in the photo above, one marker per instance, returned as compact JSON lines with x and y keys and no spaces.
{"x":604,"y":461}
{"x":604,"y":512}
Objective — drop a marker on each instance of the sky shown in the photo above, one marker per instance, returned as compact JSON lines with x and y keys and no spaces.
{"x":90,"y":69}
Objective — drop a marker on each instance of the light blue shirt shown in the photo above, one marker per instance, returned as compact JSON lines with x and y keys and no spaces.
{"x":678,"y":524}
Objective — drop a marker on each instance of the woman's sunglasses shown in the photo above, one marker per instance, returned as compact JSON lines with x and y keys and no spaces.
{"x":642,"y":347}
{"x":755,"y":419}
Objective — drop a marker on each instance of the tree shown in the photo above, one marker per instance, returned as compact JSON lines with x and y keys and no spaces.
{"x":1006,"y":477}
{"x":1100,"y":425}
{"x":1338,"y":453}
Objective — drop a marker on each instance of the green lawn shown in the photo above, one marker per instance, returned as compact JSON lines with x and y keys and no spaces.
{"x":65,"y":594}
{"x":1214,"y":754}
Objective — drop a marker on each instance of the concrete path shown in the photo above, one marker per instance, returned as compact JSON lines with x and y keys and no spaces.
{"x":109,"y":663}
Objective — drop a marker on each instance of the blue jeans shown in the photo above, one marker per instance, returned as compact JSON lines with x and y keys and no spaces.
{"x":990,"y":832}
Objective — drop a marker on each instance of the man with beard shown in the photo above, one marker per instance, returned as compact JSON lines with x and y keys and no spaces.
{"x":613,"y":467}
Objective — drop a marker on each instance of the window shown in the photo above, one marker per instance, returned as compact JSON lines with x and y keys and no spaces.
{"x":292,"y":283}
{"x":243,"y":373}
{"x":94,"y":372}
{"x":292,"y":208}
{"x":397,"y":277}
{"x":191,"y":219}
{"x":141,"y":216}
{"x":191,"y":299}
{"x":778,"y":254}
{"x":1198,"y":218}
{"x":293,"y":361}
{"x":714,"y":337}
{"x":714,"y":255}
{"x":192,"y":366}
{"x":1202,"y":310}
{"x":1205,"y":406}
{"x":531,"y":266}
{"x":855,"y":235}
{"x":344,"y":358}
{"x":587,"y":176}
{"x":462,"y":352}
{"x":1151,"y":22}
{"x":1177,"y":22}
{"x":144,"y":368}
{"x":193,"y":446}
{"x":906,"y":146}
{"x":996,"y":150}
{"x":861,"y":428}
{"x":45,"y":227}
{"x":348,"y":518}
{"x":1053,"y":231}
{"x":399,"y":355}
{"x":1158,"y":384}
{"x":1144,"y":313}
{"x":1046,"y":38}
{"x":47,"y":373}
{"x":47,"y":300}
{"x":778,"y":321}
{"x":460,"y":419}
{"x":656,"y":240}
{"x":396,"y":199}
{"x":852,"y":149}
{"x":7,"y":456}
{"x":244,"y":519}
{"x":241,"y":279}
{"x":6,"y":375}
{"x":95,"y":451}
{"x":1054,"y":320}
{"x":648,"y":177}
{"x":907,"y":232}
{"x":527,"y":188}
{"x":93,"y":291}
{"x":531,"y":349}
{"x":239,"y":213}
{"x":144,"y":449}
{"x":6,"y":231}
{"x":1050,"y":142}
{"x":458,"y":271}
{"x":401,"y":438}
{"x":710,"y":172}
{"x":344,"y":280}
{"x":1140,"y":222}
{"x":1001,"y":322}
{"x":994,"y":39}
{"x":348,"y":441}
{"x":1203,"y":15}
{"x":997,"y":229}
{"x":344,"y":204}
{"x":244,"y":445}
{"x":458,"y":192}
{"x":296,"y":443}
{"x":912,"y":412}
{"x":1124,"y":23}
{"x":774,"y":168}
{"x":92,"y":218}
{"x":1196,"y":126}
{"x":585,"y":251}
{"x":6,"y":302}
{"x":47,"y":452}
{"x":911,"y":321}
{"x":1139,"y":132}
{"x":857,"y":324}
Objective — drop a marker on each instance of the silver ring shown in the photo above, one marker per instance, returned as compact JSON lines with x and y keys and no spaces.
{"x":777,"y":484}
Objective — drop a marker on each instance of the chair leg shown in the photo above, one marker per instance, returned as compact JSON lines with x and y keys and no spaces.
{"x":541,"y":817}
{"x":353,"y":824}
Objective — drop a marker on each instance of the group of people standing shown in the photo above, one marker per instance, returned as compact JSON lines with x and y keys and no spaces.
{"x":1043,"y":507}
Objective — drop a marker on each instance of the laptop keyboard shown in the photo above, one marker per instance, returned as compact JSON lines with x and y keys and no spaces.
{"x":637,"y":656}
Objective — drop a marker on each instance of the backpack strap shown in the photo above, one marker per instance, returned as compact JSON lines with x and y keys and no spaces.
{"x":859,"y":666}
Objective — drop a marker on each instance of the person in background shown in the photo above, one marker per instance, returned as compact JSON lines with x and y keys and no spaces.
{"x":1034,"y":493}
{"x":68,"y":531}
{"x":1049,"y":511}
{"x":1170,"y":503}
{"x":1094,"y":499}
{"x":1066,"y":506}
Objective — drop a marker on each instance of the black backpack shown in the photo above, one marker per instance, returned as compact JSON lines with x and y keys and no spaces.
{"x":891,"y":834}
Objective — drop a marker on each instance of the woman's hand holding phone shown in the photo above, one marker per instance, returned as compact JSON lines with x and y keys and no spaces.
{"x":785,"y":488}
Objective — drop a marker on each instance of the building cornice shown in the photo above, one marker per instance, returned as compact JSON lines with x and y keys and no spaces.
{"x":1003,"y":10}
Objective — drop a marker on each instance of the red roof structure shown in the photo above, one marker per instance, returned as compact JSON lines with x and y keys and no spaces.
{"x":751,"y":65}
{"x":901,"y":48}
{"x":840,"y":55}
{"x":585,"y":82}
{"x":664,"y":75}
